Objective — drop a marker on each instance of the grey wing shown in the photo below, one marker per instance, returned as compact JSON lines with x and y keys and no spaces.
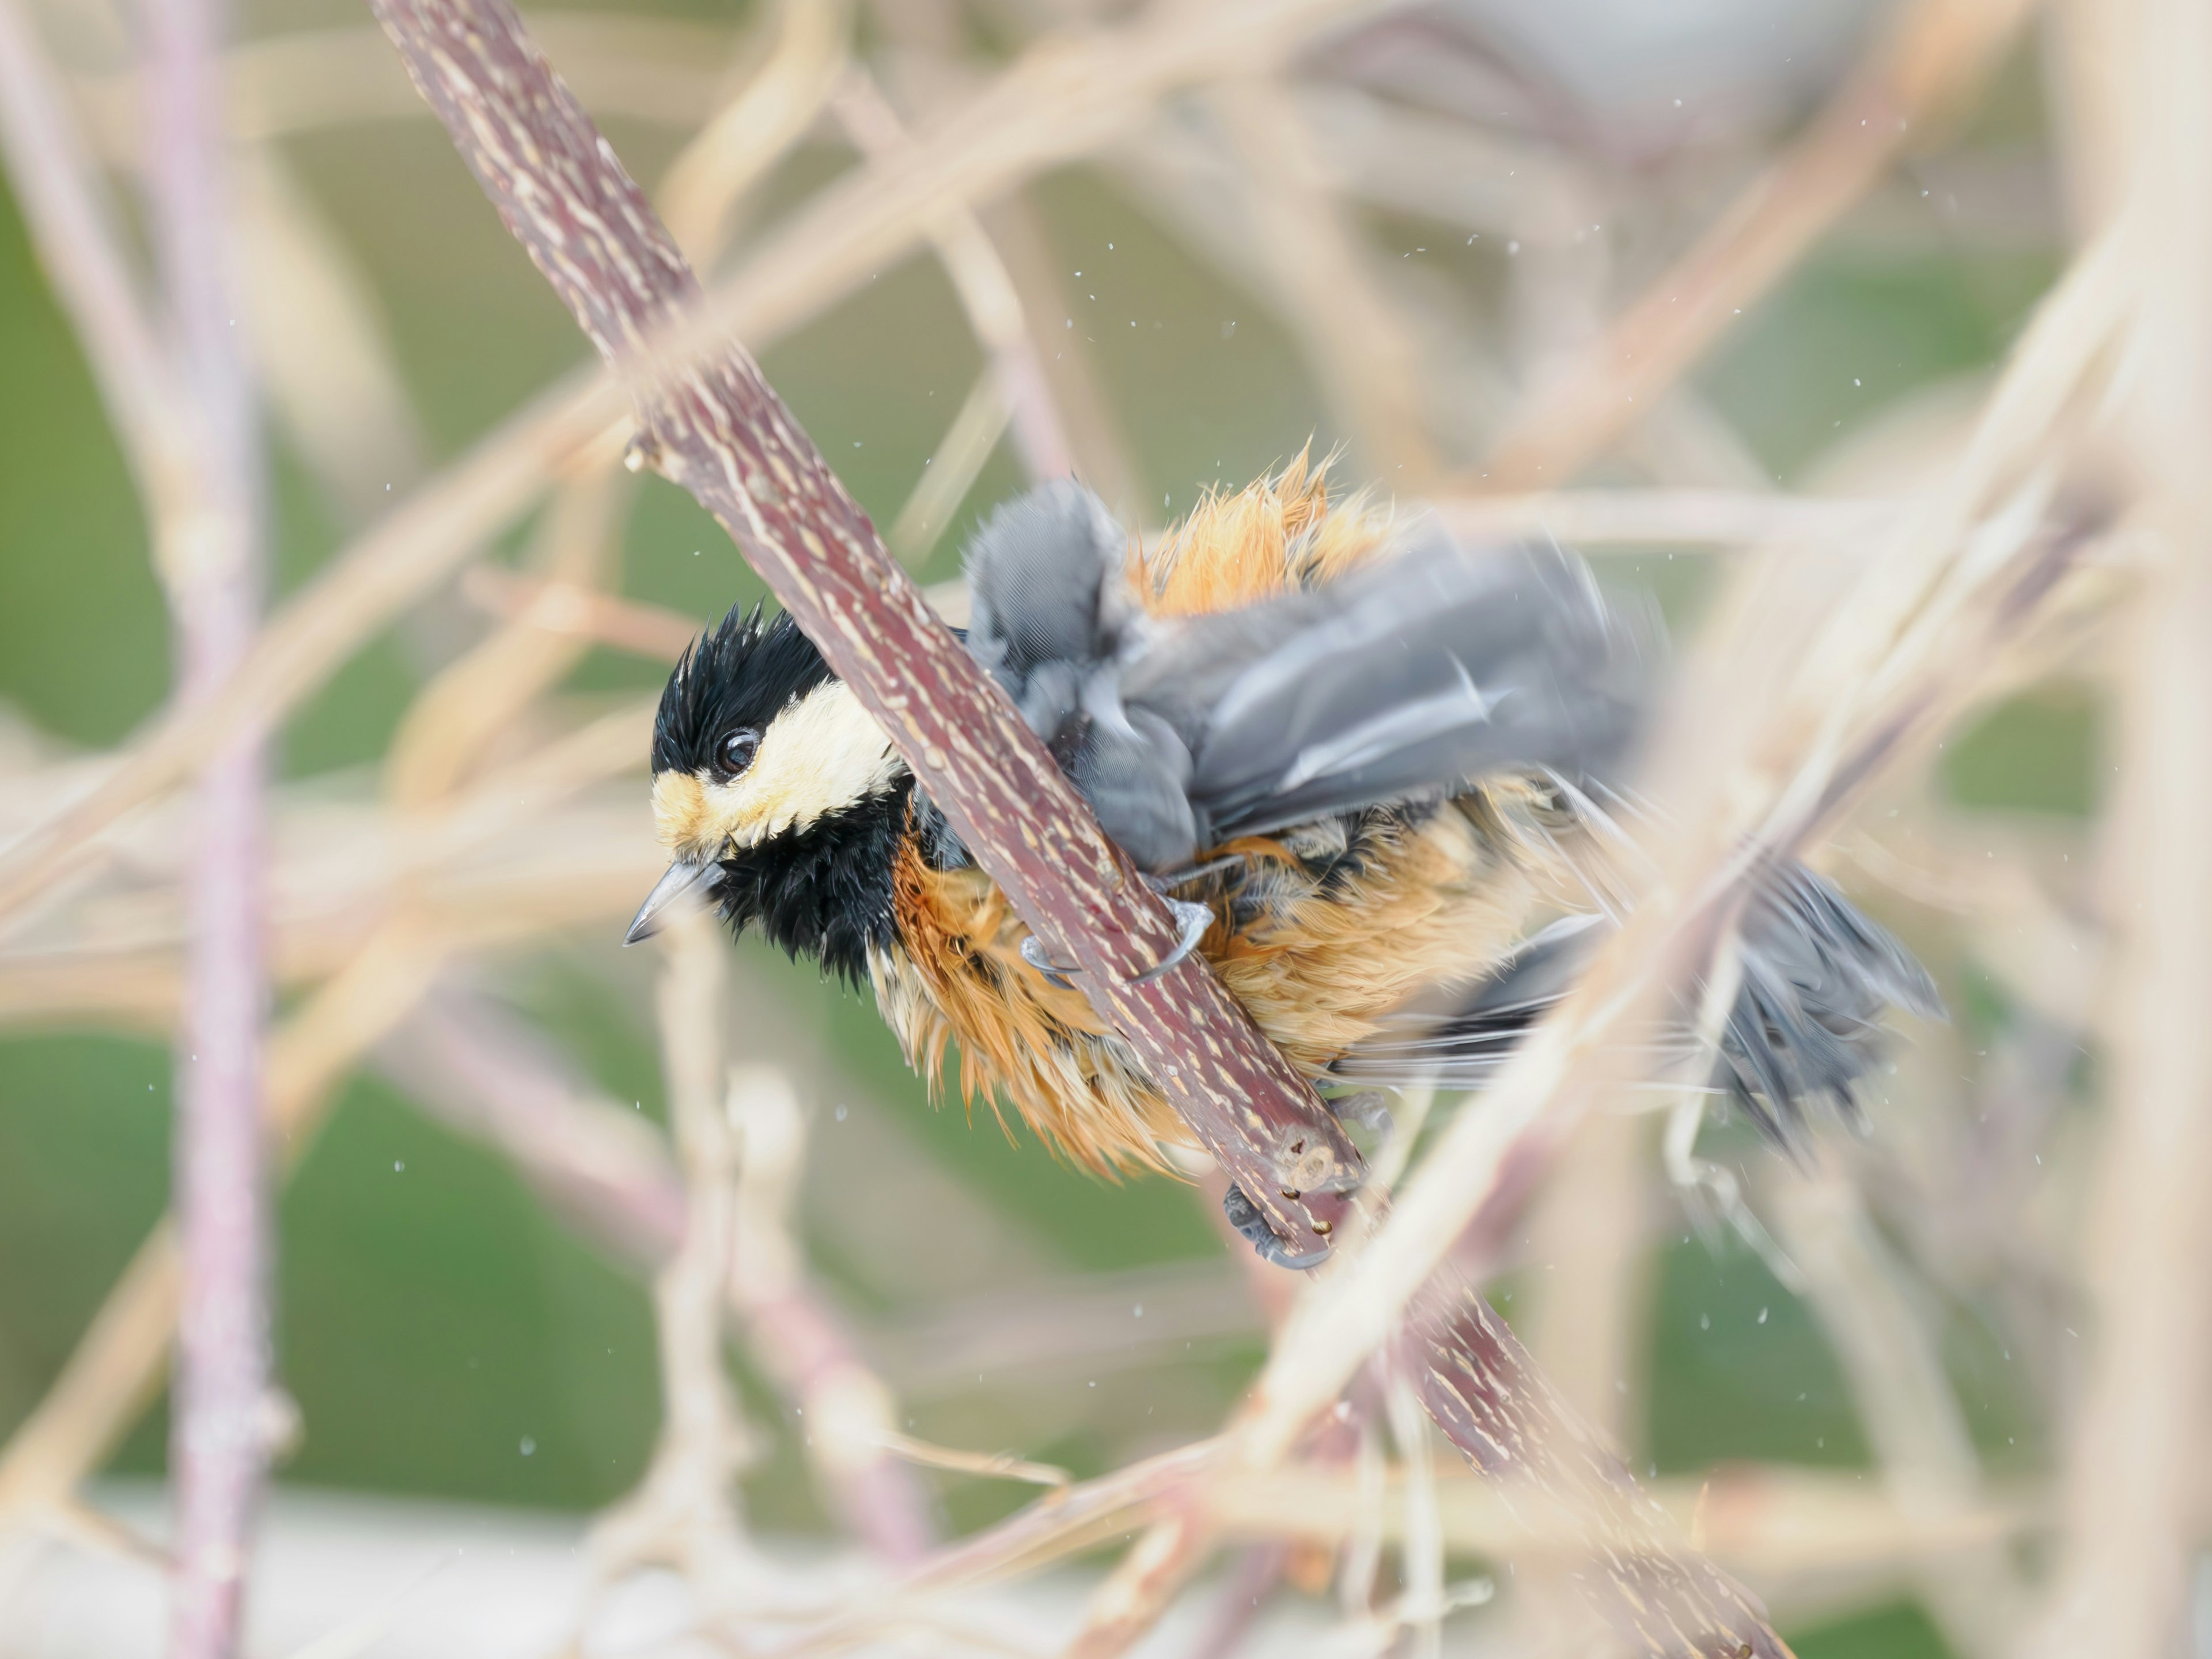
{"x":1419,"y":674}
{"x":1416,"y":675}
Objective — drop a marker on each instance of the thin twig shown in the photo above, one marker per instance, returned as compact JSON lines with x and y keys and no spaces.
{"x":209,"y":545}
{"x":685,"y":1512}
{"x":1913,"y":1417}
{"x":800,"y":1345}
{"x":1536,"y":1097}
{"x":805,"y":59}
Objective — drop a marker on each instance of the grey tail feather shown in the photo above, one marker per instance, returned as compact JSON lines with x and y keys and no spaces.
{"x":1818,"y":976}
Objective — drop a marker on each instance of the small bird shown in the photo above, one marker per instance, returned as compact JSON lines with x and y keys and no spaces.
{"x":1381,"y":778}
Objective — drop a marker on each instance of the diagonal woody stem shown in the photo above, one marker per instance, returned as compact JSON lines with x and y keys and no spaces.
{"x":714,"y":425}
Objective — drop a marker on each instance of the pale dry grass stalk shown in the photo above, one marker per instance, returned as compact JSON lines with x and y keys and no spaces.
{"x":1915,"y":610}
{"x":851,"y":1417}
{"x":1588,"y":1232}
{"x":950,"y":470}
{"x":321,"y":351}
{"x":307,"y":81}
{"x":2145,"y":85}
{"x":73,"y":230}
{"x":685,"y":1512}
{"x":798,"y":66}
{"x":117,"y":1366}
{"x":1912,"y":1413}
{"x":484,"y":1074}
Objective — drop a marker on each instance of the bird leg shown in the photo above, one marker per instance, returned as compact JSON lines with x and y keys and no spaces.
{"x":1192,"y":920}
{"x":1033,"y":953}
{"x":1366,"y":1108}
{"x":1247,"y":1220}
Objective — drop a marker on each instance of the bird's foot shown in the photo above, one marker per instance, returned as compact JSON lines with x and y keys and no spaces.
{"x":1191,"y":920}
{"x":1033,"y":953}
{"x":1251,"y":1223}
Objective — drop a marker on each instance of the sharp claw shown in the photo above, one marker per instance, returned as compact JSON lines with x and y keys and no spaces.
{"x":1252,"y":1225}
{"x":1033,"y":953}
{"x":1194,"y":919}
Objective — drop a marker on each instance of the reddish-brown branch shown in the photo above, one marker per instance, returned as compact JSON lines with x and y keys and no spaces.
{"x":715,"y":426}
{"x":1480,"y":1385}
{"x":208,"y":544}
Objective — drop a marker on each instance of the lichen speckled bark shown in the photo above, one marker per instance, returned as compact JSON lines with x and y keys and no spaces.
{"x":716,"y":428}
{"x":1492,"y":1402}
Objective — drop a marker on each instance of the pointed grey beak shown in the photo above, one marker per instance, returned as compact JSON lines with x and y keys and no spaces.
{"x":685,"y":876}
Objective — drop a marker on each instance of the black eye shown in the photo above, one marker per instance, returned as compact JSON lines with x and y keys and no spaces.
{"x":736,"y":751}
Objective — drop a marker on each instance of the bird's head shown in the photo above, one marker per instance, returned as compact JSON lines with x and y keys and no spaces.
{"x":758,"y":751}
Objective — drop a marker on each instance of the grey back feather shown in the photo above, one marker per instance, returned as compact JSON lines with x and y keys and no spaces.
{"x":1416,"y":675}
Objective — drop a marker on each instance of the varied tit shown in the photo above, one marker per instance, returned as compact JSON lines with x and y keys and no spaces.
{"x":1370,"y":769}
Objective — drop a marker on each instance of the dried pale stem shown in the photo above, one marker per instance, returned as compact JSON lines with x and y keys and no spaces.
{"x":118,"y":1365}
{"x":685,"y":1512}
{"x":802,"y":1347}
{"x":483,"y":1074}
{"x":2130,"y":1532}
{"x":752,"y":132}
{"x":1145,"y":1581}
{"x":1912,"y":1416}
{"x":1920,"y":630}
